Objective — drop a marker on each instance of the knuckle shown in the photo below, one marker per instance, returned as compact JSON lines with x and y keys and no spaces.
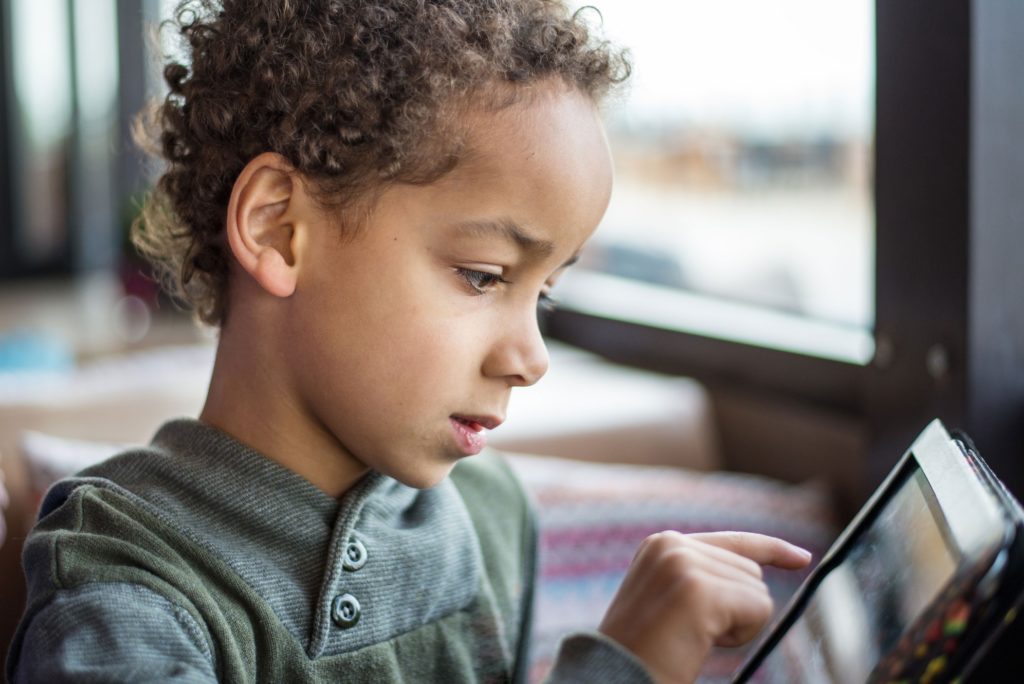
{"x":671,"y":537}
{"x":664,"y":541}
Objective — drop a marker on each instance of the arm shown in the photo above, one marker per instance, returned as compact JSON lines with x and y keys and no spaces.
{"x":110,"y":632}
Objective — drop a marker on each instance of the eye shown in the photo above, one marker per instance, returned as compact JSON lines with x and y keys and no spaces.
{"x":480,"y":281}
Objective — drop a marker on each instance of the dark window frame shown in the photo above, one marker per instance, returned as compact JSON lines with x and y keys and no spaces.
{"x":6,"y":167}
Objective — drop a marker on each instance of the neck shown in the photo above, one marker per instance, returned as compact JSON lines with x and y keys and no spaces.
{"x":252,"y":399}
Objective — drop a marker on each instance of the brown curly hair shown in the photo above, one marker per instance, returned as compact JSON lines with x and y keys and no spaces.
{"x":355,"y":94}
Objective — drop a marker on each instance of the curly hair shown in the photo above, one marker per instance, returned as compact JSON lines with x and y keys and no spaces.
{"x":354,"y":94}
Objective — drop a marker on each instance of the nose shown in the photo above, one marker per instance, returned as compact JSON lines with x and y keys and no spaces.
{"x":518,"y":354}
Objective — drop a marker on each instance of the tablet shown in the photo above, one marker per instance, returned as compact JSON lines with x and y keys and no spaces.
{"x":916,"y":589}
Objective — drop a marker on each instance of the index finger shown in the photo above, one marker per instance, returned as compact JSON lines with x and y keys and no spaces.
{"x":760,"y":548}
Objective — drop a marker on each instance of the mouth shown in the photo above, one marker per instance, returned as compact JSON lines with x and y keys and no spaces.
{"x":469,"y":431}
{"x":477,"y":423}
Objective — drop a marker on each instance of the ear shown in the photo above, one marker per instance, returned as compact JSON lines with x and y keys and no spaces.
{"x":262,"y":230}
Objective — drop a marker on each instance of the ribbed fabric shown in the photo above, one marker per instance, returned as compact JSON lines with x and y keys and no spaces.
{"x":596,"y":658}
{"x":199,"y":559}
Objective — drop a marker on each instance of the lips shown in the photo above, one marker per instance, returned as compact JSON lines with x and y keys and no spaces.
{"x":477,"y":422}
{"x":469,"y":431}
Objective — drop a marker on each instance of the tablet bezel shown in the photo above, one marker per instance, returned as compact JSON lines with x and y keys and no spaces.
{"x":976,"y":524}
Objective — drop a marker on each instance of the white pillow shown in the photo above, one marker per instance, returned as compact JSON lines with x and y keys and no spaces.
{"x":52,"y":458}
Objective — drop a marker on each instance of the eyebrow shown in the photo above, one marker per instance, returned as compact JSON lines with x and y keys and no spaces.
{"x":511,"y":231}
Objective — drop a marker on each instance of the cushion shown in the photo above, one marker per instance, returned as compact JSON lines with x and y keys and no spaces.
{"x":51,"y":458}
{"x":592,"y":518}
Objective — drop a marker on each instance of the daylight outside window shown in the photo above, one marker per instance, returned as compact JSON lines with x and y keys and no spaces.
{"x":743,"y":144}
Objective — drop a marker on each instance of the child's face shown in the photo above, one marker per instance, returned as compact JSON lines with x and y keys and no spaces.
{"x":410,"y":337}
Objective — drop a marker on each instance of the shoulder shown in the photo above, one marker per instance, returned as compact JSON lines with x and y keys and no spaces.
{"x":101,"y":563}
{"x":104,"y":498}
{"x":113,"y":631}
{"x":93,"y":529}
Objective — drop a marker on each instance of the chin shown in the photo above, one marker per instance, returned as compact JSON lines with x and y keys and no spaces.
{"x":422,"y":479}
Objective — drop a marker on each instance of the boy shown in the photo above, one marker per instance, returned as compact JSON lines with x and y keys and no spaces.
{"x":369,"y":198}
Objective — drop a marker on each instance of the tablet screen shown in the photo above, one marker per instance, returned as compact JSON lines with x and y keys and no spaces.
{"x":859,"y":610}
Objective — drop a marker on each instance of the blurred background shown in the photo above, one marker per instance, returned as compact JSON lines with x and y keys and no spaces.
{"x":743,"y":174}
{"x":812,"y":217}
{"x":71,"y":287}
{"x":744,"y":152}
{"x":743,"y":216}
{"x":814,"y":247}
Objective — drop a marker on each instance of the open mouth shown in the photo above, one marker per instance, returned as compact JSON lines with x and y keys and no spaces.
{"x":471,"y":424}
{"x":477,"y":423}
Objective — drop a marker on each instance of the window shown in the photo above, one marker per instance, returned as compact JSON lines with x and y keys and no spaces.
{"x":945,"y":168}
{"x":743,"y":206}
{"x":40,"y":123}
{"x":60,"y":115}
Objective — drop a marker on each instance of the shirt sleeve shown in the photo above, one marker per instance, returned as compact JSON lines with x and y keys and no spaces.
{"x":594,"y":657}
{"x":112,"y":632}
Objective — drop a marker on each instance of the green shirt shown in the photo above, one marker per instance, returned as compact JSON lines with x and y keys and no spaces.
{"x":199,"y":559}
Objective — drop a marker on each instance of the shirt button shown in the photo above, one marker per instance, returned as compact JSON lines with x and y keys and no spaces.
{"x":345,"y":611}
{"x":355,"y":555}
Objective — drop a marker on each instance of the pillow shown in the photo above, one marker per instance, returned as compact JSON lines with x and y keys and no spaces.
{"x":592,"y":517}
{"x":51,"y":458}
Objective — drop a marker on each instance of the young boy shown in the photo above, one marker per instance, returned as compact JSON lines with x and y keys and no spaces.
{"x":370,"y":198}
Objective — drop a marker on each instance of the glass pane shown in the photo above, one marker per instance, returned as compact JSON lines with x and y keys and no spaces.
{"x":41,"y":67}
{"x":743,"y":149}
{"x":95,"y":220}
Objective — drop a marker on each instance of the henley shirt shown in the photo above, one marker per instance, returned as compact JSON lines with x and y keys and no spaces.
{"x":198,"y":559}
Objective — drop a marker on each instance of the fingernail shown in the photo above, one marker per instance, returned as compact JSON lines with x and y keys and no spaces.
{"x":804,"y":553}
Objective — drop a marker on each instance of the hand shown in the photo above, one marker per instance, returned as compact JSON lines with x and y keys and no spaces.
{"x":684,"y":594}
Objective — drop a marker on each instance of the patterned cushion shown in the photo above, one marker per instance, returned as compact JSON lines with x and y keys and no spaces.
{"x":593,"y":517}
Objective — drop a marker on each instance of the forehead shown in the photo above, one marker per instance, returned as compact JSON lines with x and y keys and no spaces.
{"x":540,"y":164}
{"x":548,"y":129}
{"x":545,"y":154}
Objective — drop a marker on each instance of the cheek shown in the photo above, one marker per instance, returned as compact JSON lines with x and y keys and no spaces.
{"x":401,"y":334}
{"x":396,"y":350}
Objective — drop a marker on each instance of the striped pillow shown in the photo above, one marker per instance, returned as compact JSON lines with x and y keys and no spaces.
{"x":593,"y":517}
